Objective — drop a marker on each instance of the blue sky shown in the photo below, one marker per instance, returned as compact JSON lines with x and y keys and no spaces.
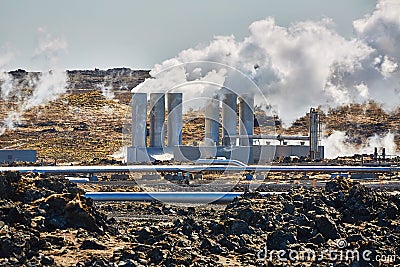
{"x":124,"y":33}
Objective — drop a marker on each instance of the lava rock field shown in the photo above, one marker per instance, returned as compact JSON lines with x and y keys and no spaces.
{"x":47,"y":221}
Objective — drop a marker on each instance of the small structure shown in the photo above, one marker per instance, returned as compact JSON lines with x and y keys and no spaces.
{"x":8,"y":156}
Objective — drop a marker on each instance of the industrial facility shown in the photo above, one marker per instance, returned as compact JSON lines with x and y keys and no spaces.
{"x":8,"y":156}
{"x":238,"y":141}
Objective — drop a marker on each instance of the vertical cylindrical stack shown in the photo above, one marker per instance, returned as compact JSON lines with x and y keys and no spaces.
{"x":229,"y":101}
{"x":174,"y":128}
{"x":246,"y":118}
{"x":314,"y":131}
{"x":157,"y":118}
{"x":212,"y":121}
{"x":139,"y":115}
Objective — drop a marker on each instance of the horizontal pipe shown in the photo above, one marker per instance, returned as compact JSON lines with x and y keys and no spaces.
{"x":221,"y":161}
{"x":273,"y":137}
{"x":199,"y":168}
{"x":77,"y":179}
{"x":171,"y":197}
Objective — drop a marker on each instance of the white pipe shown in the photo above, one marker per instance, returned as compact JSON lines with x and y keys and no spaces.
{"x":221,"y":161}
{"x":139,"y":115}
{"x":274,"y":137}
{"x":157,"y":118}
{"x":174,"y":120}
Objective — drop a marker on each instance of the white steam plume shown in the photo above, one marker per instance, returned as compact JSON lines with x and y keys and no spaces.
{"x":49,"y":86}
{"x":6,"y":55}
{"x":303,"y":65}
{"x":106,"y":91}
{"x":49,"y":47}
{"x":336,"y":145}
{"x":46,"y":86}
{"x":121,"y":154}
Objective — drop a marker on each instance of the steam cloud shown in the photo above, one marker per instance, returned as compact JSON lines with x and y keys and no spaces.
{"x":47,"y":86}
{"x":303,"y":65}
{"x":338,"y":146}
{"x":106,"y":91}
{"x":296,"y":67}
{"x":49,"y":47}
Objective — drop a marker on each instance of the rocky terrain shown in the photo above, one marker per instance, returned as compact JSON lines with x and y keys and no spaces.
{"x":87,"y":122}
{"x":76,"y":127}
{"x":47,"y":221}
{"x":118,"y":78}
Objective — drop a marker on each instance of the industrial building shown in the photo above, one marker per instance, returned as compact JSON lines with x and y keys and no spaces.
{"x":238,"y":141}
{"x":8,"y":156}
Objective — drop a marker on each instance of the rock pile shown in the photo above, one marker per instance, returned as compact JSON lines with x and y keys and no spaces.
{"x":343,"y":216}
{"x":30,"y":206}
{"x":41,"y":215}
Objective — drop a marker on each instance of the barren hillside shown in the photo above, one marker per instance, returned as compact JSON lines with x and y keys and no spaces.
{"x":83,"y":124}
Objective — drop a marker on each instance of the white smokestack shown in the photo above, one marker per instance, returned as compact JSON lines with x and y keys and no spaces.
{"x":229,"y":118}
{"x":139,"y":115}
{"x":157,"y":119}
{"x":212,"y":121}
{"x":174,"y":129}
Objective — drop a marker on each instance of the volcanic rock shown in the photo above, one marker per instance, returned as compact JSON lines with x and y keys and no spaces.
{"x":156,"y":255}
{"x":238,"y":227}
{"x":327,"y":227}
{"x":280,"y":240}
{"x":31,"y":207}
{"x":92,"y":244}
{"x":60,"y":220}
{"x":317,"y":239}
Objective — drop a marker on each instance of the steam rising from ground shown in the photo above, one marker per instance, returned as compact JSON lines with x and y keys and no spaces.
{"x":336,"y":145}
{"x":296,"y":67}
{"x":121,"y":154}
{"x":46,"y":86}
{"x":106,"y":91}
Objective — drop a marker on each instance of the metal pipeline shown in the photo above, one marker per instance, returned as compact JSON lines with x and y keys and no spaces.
{"x":221,"y":161}
{"x":199,"y":168}
{"x":78,"y":179}
{"x":274,"y":137}
{"x":171,"y":197}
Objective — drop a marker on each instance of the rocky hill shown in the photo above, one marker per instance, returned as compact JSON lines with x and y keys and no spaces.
{"x":87,"y":122}
{"x":118,"y":78}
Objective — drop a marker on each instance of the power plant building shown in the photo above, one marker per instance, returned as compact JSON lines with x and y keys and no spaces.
{"x":238,"y":141}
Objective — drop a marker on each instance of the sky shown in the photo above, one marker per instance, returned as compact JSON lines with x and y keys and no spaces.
{"x":46,"y":34}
